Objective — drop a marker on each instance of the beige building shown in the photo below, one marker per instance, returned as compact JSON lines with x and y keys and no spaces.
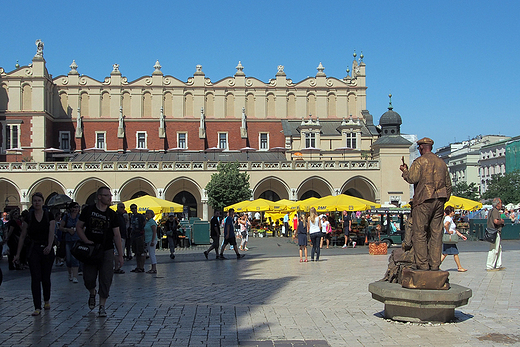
{"x":162,"y":136}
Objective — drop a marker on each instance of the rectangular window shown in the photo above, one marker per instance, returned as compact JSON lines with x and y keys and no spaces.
{"x":12,"y":138}
{"x":264,"y":141}
{"x":100,"y":140}
{"x":65,"y":140}
{"x":310,"y":140}
{"x":182,"y":140}
{"x":351,"y":140}
{"x":141,"y":139}
{"x":222,"y":140}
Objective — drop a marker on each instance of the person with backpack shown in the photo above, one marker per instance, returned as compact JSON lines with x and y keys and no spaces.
{"x":68,"y":227}
{"x":39,"y":228}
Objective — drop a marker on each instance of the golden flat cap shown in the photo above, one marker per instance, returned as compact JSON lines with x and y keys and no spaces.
{"x":425,"y":141}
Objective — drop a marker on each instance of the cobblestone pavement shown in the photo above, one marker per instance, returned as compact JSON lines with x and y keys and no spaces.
{"x":267,"y":298}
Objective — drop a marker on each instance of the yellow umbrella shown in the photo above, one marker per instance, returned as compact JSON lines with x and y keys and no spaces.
{"x":147,"y":202}
{"x":302,"y":205}
{"x":274,"y":215}
{"x":238,"y":206}
{"x":343,"y":202}
{"x":281,"y":205}
{"x":259,"y":205}
{"x":463,"y":203}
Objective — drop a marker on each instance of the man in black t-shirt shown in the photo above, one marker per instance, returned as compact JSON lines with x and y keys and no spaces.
{"x":98,"y":224}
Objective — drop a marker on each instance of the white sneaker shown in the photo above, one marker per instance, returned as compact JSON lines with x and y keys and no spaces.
{"x":74,"y":280}
{"x":344,"y":246}
{"x":354,"y":244}
{"x":231,"y":248}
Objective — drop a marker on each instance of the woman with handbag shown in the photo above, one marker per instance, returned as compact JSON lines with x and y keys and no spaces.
{"x":314,"y":229}
{"x":39,"y":227}
{"x":68,"y":228}
{"x":451,"y":248}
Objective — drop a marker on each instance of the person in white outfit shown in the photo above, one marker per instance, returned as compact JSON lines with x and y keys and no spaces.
{"x":494,"y":220}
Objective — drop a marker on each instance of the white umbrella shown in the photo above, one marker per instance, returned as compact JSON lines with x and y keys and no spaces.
{"x":310,"y":150}
{"x":247,"y":150}
{"x":16,"y":151}
{"x":214,"y":150}
{"x":53,"y":150}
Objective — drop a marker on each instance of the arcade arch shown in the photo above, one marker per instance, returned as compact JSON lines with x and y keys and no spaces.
{"x":85,"y":192}
{"x":48,"y":187}
{"x":360,"y":187}
{"x":314,"y":186}
{"x":185,"y":191}
{"x":136,"y":187}
{"x":11,"y":196}
{"x":270,"y":188}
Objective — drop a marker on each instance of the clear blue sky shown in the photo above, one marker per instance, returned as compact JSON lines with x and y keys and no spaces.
{"x":452,"y":66}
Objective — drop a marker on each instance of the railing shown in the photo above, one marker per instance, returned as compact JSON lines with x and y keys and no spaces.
{"x":187,"y":166}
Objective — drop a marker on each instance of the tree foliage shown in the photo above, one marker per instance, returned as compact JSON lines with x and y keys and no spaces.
{"x":468,"y":191}
{"x":505,"y":187}
{"x":228,"y":186}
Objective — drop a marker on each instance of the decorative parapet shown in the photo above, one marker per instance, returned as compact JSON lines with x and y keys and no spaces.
{"x":187,"y":166}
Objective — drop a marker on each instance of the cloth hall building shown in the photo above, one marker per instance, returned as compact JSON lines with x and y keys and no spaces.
{"x":164,"y":137}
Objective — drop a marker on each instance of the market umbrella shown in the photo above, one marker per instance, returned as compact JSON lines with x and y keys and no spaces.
{"x":247,"y":150}
{"x":238,"y":206}
{"x":281,"y":205}
{"x":258,"y":205}
{"x":343,"y":202}
{"x":463,"y":203}
{"x":58,"y":200}
{"x":214,"y":150}
{"x":301,"y":205}
{"x":148,"y":202}
{"x":310,"y":150}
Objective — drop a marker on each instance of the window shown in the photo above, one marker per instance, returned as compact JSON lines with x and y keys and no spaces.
{"x":310,"y":140}
{"x":264,"y":141}
{"x":222,"y":140}
{"x":100,"y":140}
{"x":65,"y":140}
{"x":351,"y":140}
{"x":12,"y":136}
{"x":141,"y":139}
{"x":182,"y":140}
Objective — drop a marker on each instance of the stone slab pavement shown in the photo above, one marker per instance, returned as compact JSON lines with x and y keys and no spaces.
{"x":267,"y":298}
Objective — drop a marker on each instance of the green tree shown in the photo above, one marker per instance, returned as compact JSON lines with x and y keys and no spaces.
{"x":505,"y":187}
{"x":468,"y":191}
{"x":228,"y":186}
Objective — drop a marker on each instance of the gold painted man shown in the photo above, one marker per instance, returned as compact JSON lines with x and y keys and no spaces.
{"x":432,"y":188}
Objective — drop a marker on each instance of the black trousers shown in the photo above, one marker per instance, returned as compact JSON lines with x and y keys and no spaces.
{"x":315,"y":239}
{"x":40,"y":266}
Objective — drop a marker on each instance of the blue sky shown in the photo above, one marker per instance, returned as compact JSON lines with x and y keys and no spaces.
{"x":453,"y":67}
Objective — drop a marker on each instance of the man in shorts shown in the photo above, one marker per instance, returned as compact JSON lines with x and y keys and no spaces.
{"x":347,"y":226}
{"x":229,"y":235}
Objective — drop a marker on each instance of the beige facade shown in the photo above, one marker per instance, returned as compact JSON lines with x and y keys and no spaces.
{"x":329,"y":142}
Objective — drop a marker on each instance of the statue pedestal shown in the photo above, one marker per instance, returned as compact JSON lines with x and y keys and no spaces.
{"x":162,"y":133}
{"x":120,"y":133}
{"x":419,"y":305}
{"x":243,"y":133}
{"x":202,"y":133}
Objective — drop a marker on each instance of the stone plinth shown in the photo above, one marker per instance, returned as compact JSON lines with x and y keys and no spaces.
{"x":419,"y":305}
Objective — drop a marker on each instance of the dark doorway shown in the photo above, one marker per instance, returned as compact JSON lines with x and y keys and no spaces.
{"x":187,"y":199}
{"x":310,"y":194}
{"x":269,"y":195}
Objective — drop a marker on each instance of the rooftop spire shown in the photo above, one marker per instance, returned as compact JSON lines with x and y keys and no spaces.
{"x":390,"y":107}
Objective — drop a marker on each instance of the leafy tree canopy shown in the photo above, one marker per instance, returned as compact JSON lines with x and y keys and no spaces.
{"x":505,"y":187}
{"x":468,"y":191}
{"x":228,"y":186}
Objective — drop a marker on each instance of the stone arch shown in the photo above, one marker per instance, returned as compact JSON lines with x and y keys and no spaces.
{"x":250,"y":104}
{"x":351,"y":104}
{"x":64,"y":103}
{"x":317,"y":184}
{"x":273,"y":184}
{"x":11,"y":196}
{"x":126,"y":103}
{"x":84,"y":102}
{"x":361,"y":187}
{"x":270,"y":101}
{"x":146,"y":111}
{"x":311,"y":104}
{"x":26,"y":98}
{"x":188,"y":105}
{"x":291,"y":105}
{"x":105,"y":104}
{"x":47,"y":186}
{"x":168,"y":104}
{"x":209,"y":104}
{"x":135,"y":185}
{"x":230,"y":105}
{"x":185,"y":186}
{"x":4,"y":97}
{"x":86,"y":188}
{"x":331,"y":105}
